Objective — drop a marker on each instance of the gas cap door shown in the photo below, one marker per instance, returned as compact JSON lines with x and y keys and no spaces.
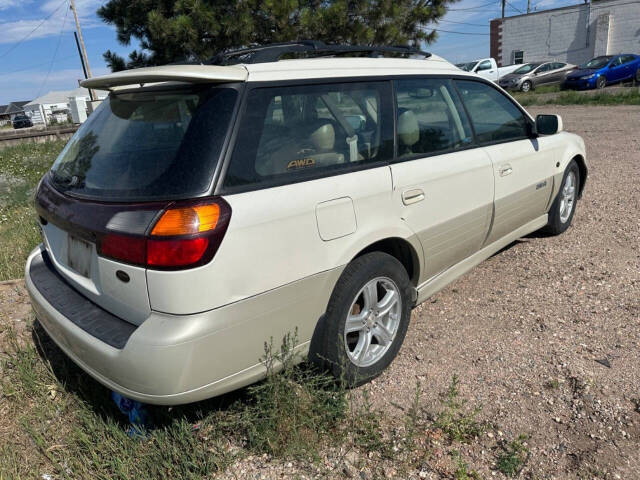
{"x":336,"y":218}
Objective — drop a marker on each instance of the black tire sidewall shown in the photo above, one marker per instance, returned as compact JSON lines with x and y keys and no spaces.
{"x":601,"y":82}
{"x":555,"y":225}
{"x":525,"y":83}
{"x":356,"y":275}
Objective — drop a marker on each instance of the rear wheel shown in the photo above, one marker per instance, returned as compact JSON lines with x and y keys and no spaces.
{"x":637,"y":77}
{"x":601,"y":82}
{"x":564,"y":206}
{"x":366,"y":319}
{"x":526,"y":86}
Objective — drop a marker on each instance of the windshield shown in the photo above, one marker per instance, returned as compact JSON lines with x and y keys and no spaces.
{"x":595,"y":63}
{"x":147,"y":145}
{"x":467,"y":67}
{"x":526,"y":68}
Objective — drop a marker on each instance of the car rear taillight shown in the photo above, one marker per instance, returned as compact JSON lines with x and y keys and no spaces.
{"x":185,"y":235}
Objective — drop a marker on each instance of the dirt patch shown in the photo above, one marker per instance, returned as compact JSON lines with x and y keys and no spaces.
{"x":544,"y":337}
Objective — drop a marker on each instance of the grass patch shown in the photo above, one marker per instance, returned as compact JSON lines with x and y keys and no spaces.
{"x":513,"y":457}
{"x":462,"y":471}
{"x":21,"y":167}
{"x":603,"y":97}
{"x":459,"y":424}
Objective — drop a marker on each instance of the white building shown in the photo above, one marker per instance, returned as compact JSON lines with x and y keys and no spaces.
{"x":569,"y":34}
{"x":55,"y":105}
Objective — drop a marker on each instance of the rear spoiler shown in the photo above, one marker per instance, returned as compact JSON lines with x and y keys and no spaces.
{"x":169,"y":73}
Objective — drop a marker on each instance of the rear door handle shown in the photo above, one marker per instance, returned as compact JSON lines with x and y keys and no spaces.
{"x":412,"y":196}
{"x":505,"y":170}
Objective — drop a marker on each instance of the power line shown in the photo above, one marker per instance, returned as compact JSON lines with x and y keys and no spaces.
{"x":15,"y":45}
{"x":477,"y":7}
{"x":35,"y":65}
{"x":451,"y":31}
{"x":55,"y":53}
{"x":465,"y":23}
{"x":515,"y":8}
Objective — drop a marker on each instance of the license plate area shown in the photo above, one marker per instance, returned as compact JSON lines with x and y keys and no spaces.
{"x":79,"y":255}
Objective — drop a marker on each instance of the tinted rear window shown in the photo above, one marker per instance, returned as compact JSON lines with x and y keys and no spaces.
{"x":147,"y":145}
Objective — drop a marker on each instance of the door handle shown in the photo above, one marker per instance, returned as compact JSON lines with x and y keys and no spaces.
{"x":505,"y":170}
{"x":412,"y":196}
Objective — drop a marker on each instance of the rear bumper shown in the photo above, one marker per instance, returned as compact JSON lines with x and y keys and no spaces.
{"x":171,"y":359}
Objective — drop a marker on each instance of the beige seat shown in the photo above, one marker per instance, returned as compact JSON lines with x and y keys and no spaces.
{"x":408,"y":131}
{"x":314,"y":149}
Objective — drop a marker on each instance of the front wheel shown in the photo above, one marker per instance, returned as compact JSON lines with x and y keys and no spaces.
{"x":366,"y":319}
{"x":526,"y":86}
{"x":564,"y":206}
{"x":601,"y":82}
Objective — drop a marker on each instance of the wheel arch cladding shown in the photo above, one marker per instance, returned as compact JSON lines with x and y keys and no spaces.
{"x":582,"y":168}
{"x":401,"y":250}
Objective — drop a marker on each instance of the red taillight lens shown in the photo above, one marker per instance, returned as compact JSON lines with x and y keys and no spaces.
{"x":123,"y":247}
{"x":186,"y":235}
{"x":175,"y":253}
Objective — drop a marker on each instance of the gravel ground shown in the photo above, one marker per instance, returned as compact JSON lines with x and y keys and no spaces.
{"x":544,"y":336}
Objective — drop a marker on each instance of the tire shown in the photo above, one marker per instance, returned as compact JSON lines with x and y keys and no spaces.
{"x":561,"y":213}
{"x":526,"y":86}
{"x":601,"y":82}
{"x":637,"y":77}
{"x":332,"y":350}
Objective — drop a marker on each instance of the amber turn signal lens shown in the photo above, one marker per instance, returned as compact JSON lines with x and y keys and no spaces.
{"x":187,"y":220}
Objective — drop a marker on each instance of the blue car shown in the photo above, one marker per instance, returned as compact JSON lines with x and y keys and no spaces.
{"x":605,"y":70}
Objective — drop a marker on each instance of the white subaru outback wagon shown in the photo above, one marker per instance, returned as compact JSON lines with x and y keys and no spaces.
{"x":203,"y":210}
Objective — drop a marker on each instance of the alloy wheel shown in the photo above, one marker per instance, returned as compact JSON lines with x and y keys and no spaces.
{"x":568,"y":196}
{"x":372,"y":321}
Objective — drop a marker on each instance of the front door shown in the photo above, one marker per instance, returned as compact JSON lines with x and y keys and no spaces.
{"x":522,"y":165}
{"x":442,"y":186}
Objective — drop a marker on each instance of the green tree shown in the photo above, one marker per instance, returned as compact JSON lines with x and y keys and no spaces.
{"x":171,"y":30}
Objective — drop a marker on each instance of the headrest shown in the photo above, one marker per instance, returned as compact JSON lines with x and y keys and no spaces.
{"x":323,"y":137}
{"x":408,"y":128}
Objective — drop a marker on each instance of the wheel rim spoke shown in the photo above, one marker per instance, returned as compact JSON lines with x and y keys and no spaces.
{"x":370,"y":294}
{"x":387,"y":303}
{"x":384,"y":336}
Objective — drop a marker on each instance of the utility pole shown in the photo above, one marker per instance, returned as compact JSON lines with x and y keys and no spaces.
{"x":83,"y":50}
{"x":528,"y":6}
{"x":503,"y":5}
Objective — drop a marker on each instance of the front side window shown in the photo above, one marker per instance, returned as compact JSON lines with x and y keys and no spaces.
{"x":288,"y":134}
{"x":495,"y":118}
{"x":616,"y":61}
{"x":526,"y":68}
{"x":430,"y":117}
{"x":152,"y":145}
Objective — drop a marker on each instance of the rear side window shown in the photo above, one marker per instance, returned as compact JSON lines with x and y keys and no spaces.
{"x":495,"y":118}
{"x":430,"y":117}
{"x":289,"y":134}
{"x":147,"y":145}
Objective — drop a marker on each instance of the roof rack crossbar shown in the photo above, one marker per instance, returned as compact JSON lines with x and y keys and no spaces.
{"x":274,"y":51}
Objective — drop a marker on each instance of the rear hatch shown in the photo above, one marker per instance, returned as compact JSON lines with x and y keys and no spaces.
{"x":140,"y":153}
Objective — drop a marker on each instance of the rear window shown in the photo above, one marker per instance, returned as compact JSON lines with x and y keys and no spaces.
{"x":147,"y":145}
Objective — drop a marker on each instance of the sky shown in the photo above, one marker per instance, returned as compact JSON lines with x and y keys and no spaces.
{"x":38,"y":53}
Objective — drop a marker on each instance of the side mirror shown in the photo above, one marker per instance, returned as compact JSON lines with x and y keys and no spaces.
{"x":548,"y":124}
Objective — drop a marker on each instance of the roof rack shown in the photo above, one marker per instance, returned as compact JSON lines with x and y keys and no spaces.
{"x":314,"y":48}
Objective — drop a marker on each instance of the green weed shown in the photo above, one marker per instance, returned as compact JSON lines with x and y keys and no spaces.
{"x":459,"y":425}
{"x":513,"y":457}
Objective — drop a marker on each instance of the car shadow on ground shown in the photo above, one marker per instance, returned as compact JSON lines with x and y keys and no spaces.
{"x":97,"y":397}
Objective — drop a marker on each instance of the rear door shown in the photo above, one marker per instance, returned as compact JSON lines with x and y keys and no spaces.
{"x":544,"y":74}
{"x":522,"y":166}
{"x":442,"y":186}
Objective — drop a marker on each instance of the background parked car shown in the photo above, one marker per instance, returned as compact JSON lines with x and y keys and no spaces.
{"x":487,"y":68}
{"x":22,"y":121}
{"x":531,"y":75}
{"x":602,"y":71}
